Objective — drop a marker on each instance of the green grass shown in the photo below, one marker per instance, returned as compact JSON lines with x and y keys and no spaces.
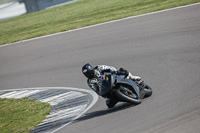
{"x":78,"y":14}
{"x":21,"y":115}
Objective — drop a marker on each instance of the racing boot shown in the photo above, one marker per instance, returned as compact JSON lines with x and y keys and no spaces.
{"x":111,"y":102}
{"x":135,"y":78}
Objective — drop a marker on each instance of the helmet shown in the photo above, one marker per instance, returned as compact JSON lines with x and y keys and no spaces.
{"x":88,"y":70}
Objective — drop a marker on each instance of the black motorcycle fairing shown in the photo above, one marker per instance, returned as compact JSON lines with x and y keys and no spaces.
{"x":122,"y":80}
{"x":106,"y":83}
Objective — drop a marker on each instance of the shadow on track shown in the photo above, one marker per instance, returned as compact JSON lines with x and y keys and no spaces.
{"x":99,"y":113}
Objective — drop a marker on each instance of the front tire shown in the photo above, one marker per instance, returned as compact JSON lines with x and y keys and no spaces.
{"x":126,"y":96}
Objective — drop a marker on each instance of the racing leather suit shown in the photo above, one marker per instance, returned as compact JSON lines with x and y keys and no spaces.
{"x":99,"y":70}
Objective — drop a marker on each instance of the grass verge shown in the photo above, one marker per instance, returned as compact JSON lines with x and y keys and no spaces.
{"x":78,"y":14}
{"x":21,"y":115}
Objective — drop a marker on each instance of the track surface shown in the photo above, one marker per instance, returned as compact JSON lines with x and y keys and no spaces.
{"x":163,"y":48}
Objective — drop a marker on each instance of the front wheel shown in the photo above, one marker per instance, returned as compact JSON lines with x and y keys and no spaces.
{"x":127,"y":95}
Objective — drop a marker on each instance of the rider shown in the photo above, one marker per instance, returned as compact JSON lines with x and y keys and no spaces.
{"x":93,"y":73}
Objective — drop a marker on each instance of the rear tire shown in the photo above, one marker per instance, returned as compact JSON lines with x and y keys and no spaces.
{"x":148,"y":90}
{"x":127,"y":98}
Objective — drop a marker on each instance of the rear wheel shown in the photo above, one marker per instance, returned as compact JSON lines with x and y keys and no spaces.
{"x":148,"y":90}
{"x":127,"y":95}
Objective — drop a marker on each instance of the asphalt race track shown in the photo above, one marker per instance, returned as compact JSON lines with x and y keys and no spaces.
{"x":163,"y":48}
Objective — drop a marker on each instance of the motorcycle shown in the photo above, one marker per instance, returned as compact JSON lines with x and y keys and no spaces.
{"x":122,"y":89}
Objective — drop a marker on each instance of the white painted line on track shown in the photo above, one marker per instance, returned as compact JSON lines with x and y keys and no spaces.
{"x":59,"y":98}
{"x":132,"y":17}
{"x":20,"y":94}
{"x":63,"y":115}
